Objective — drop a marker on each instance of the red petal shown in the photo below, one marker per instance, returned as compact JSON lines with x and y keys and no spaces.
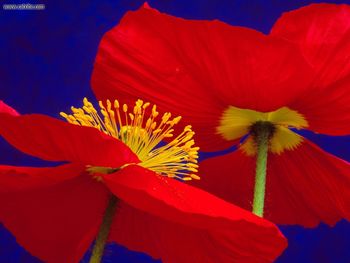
{"x":328,"y":110}
{"x":197,"y":68}
{"x":4,"y":108}
{"x":179,"y":243}
{"x":174,"y":212}
{"x":55,"y":140}
{"x":14,"y":179}
{"x":304,"y":186}
{"x":55,"y":223}
{"x":323,"y":33}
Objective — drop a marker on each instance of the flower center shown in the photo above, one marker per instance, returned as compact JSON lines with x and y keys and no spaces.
{"x":145,"y":136}
{"x":236,"y":123}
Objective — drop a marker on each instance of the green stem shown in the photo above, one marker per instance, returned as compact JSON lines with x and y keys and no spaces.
{"x":262,"y":140}
{"x":97,"y":251}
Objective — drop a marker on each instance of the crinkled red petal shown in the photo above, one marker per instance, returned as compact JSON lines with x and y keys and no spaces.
{"x":15,"y":179}
{"x":172,"y":212}
{"x":197,"y":69}
{"x":323,"y":33}
{"x":55,"y":140}
{"x":305,"y":186}
{"x":54,"y":213}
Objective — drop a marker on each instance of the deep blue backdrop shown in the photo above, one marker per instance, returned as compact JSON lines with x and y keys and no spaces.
{"x":46,"y":59}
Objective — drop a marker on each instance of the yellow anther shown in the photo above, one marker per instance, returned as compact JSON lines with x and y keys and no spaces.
{"x":139,"y":104}
{"x":109,"y":105}
{"x":194,"y":176}
{"x":64,"y":115}
{"x":166,"y":117}
{"x":187,"y":178}
{"x":125,"y":108}
{"x":100,"y":104}
{"x":137,"y":110}
{"x":148,"y":123}
{"x":71,"y":118}
{"x":104,"y":112}
{"x":153,"y":126}
{"x":192,"y":169}
{"x":195,"y":148}
{"x":170,"y":131}
{"x":87,"y":109}
{"x":154,"y":111}
{"x":188,"y":128}
{"x":77,"y":111}
{"x":189,"y":144}
{"x":176,"y":120}
{"x":116,"y":104}
{"x":146,"y":105}
{"x":85,"y":102}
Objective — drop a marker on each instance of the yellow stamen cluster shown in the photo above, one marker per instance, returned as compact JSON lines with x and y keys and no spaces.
{"x":139,"y":130}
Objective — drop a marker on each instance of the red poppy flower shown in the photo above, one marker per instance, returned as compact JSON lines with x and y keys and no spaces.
{"x":233,"y":83}
{"x":55,"y":212}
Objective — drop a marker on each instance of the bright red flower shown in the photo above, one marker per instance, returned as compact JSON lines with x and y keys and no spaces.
{"x":227,"y":81}
{"x":55,"y":212}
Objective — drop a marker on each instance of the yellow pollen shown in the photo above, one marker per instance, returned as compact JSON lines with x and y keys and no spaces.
{"x":143,"y":135}
{"x":236,"y":123}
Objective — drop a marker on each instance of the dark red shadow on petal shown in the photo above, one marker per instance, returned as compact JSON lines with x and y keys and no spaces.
{"x":229,"y":232}
{"x":54,"y":221}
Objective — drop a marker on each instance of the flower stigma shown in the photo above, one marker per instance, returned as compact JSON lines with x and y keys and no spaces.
{"x":236,"y":123}
{"x":140,"y":130}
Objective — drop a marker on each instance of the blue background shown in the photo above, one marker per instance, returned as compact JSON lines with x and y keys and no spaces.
{"x":46,"y":60}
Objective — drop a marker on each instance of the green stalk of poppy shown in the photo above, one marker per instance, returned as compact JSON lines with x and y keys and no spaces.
{"x":262,"y":134}
{"x":97,"y":251}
